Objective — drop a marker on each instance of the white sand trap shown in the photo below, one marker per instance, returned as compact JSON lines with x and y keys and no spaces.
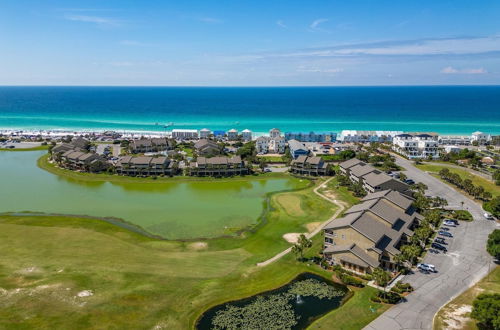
{"x":292,"y":237}
{"x":198,"y":246}
{"x":85,"y":293}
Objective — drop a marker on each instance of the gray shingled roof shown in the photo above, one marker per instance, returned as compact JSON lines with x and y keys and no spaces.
{"x":350,"y":163}
{"x":375,"y":179}
{"x":355,"y":250}
{"x":361,"y":170}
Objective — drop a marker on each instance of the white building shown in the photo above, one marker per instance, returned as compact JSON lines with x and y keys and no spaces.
{"x":274,"y":133}
{"x":205,"y":133}
{"x":452,"y":148}
{"x":266,"y":144}
{"x":232,"y":135}
{"x":367,"y":136}
{"x":481,"y":137}
{"x":246,"y":135}
{"x":416,"y":146}
{"x":455,"y":140}
{"x":184,"y":134}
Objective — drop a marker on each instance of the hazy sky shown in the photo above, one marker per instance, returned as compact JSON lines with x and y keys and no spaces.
{"x":263,"y":43}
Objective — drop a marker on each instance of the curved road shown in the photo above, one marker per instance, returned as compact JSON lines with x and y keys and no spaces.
{"x":464,"y":265}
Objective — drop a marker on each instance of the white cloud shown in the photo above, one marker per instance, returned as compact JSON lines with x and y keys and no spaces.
{"x":281,"y":24}
{"x":210,"y":20}
{"x":315,"y":24}
{"x":92,"y":19}
{"x":452,"y":70}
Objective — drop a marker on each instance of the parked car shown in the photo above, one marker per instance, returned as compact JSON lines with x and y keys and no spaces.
{"x":488,"y":216}
{"x":440,"y":240}
{"x":445,"y":233}
{"x":444,"y":228}
{"x":438,"y":246}
{"x":427,"y":268}
{"x":409,"y":181}
{"x":452,"y":221}
{"x":449,"y":223}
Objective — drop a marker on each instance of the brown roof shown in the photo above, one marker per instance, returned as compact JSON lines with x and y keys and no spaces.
{"x":141,"y":160}
{"x":314,"y":160}
{"x":159,"y":161}
{"x":350,"y":163}
{"x":366,"y":260}
{"x":362,"y":169}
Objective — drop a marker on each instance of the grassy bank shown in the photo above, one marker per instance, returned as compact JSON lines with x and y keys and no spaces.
{"x":456,"y":313}
{"x":476,"y":180}
{"x":59,"y":273}
{"x":46,"y":147}
{"x":43,"y":163}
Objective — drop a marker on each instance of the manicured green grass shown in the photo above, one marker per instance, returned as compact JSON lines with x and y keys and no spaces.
{"x":456,"y":311}
{"x":43,"y":163}
{"x":341,"y":192}
{"x":271,"y":159}
{"x":26,"y":149}
{"x":356,"y":313}
{"x":476,"y":180}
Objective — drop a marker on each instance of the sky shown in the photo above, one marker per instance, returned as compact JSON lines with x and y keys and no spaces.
{"x":249,"y":43}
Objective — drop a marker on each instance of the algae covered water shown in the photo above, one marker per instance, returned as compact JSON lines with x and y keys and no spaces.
{"x":173,"y":210}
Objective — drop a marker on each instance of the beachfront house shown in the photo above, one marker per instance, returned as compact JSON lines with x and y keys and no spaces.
{"x":371,"y":233}
{"x":232,"y":135}
{"x":272,"y":144}
{"x":184,"y":134}
{"x":311,"y":136}
{"x":313,"y":166}
{"x":420,"y":145}
{"x":355,"y":136}
{"x":455,"y":140}
{"x":246,"y":135}
{"x":219,"y":166}
{"x":480,"y":137}
{"x":205,"y":133}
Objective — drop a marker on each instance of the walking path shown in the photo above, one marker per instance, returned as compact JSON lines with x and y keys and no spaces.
{"x":341,"y":208}
{"x":464,"y":265}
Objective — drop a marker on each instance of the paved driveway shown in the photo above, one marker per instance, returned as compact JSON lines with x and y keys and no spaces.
{"x":465,"y":263}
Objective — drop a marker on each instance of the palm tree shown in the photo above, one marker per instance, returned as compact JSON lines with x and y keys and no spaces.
{"x":381,"y":277}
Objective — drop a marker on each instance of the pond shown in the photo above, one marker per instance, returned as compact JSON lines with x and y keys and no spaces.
{"x":174,"y":210}
{"x":293,"y":306}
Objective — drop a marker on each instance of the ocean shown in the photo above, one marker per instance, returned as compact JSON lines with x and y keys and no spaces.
{"x":450,"y":110}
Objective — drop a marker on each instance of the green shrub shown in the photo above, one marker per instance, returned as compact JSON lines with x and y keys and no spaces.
{"x":386,"y":297}
{"x":350,"y":280}
{"x":462,"y":215}
{"x":485,"y":310}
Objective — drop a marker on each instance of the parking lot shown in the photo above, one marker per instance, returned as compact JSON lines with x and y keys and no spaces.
{"x":465,"y":263}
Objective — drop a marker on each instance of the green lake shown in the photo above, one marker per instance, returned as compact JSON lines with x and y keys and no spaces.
{"x":172,"y":210}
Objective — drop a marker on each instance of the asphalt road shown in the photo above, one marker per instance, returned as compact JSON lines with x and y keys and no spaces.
{"x":465,"y":263}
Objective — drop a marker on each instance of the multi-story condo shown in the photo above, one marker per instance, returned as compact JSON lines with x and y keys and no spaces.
{"x":218,"y":166}
{"x":145,"y":166}
{"x":371,"y":233}
{"x":455,"y":140}
{"x":150,"y":145}
{"x":371,"y":178}
{"x":311,"y":137}
{"x":84,"y":161}
{"x":314,"y":166}
{"x":297,"y":148}
{"x":367,"y":136}
{"x":206,"y":147}
{"x":77,"y":144}
{"x":184,"y":134}
{"x":267,"y":144}
{"x":274,"y":133}
{"x":416,"y":145}
{"x":246,"y":135}
{"x":205,"y":133}
{"x":232,"y":135}
{"x":480,"y":137}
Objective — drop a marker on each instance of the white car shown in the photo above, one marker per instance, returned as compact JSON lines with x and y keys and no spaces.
{"x":427,"y":268}
{"x":488,"y":216}
{"x":449,"y":223}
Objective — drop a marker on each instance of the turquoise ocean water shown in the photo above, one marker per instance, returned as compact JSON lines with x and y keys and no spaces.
{"x":443,"y":109}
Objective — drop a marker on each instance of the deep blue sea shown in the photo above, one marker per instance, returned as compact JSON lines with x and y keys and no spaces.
{"x":444,"y":109}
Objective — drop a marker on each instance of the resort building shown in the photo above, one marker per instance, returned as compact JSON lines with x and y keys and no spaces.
{"x":416,"y":145}
{"x":83,"y":161}
{"x":184,"y":134}
{"x":272,"y":144}
{"x":314,"y":166}
{"x":77,"y":144}
{"x":205,"y":133}
{"x":371,"y":233}
{"x":480,"y":137}
{"x":455,"y":140}
{"x":297,"y":149}
{"x":371,"y":178}
{"x":246,"y":135}
{"x":218,"y":166}
{"x":206,"y":147}
{"x":150,"y":145}
{"x":219,"y":135}
{"x":146,"y":166}
{"x":311,"y":137}
{"x":232,"y":135}
{"x":367,"y":136}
